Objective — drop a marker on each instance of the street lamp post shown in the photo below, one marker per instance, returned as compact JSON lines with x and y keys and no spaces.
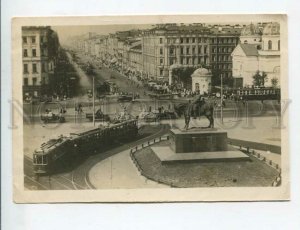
{"x":221,"y":98}
{"x":94,"y":100}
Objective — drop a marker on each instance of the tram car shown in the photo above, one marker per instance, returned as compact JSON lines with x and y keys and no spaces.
{"x":60,"y":153}
{"x":263,"y":93}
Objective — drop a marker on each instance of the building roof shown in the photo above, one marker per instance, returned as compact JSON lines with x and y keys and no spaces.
{"x":249,"y":49}
{"x":174,"y":28}
{"x":272,"y":28}
{"x":251,"y":30}
{"x":226,"y":31}
{"x":201,"y":72}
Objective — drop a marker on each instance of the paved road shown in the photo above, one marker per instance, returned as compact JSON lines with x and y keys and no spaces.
{"x":119,"y":171}
{"x":111,"y":106}
{"x":121,"y":81}
{"x":77,"y":178}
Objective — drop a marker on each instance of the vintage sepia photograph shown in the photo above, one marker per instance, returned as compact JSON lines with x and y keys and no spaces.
{"x":150,"y":108}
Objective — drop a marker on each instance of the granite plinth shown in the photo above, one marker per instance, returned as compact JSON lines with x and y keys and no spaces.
{"x":198,"y":140}
{"x":167,"y":155}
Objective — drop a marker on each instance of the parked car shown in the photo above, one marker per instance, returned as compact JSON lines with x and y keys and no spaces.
{"x":151,"y":117}
{"x":125,"y":98}
{"x":50,"y":117}
{"x":99,"y":116}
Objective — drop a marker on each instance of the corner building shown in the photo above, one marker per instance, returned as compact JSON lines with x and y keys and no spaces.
{"x":39,"y":55}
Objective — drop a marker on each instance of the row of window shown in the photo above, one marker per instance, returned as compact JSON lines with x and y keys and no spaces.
{"x":224,"y":40}
{"x":222,"y":66}
{"x":186,"y":50}
{"x":222,"y":50}
{"x":200,"y":40}
{"x":185,"y":40}
{"x":32,"y":39}
{"x":221,"y":58}
{"x":270,"y":45}
{"x":33,"y":53}
{"x":34,"y":81}
{"x":34,"y":68}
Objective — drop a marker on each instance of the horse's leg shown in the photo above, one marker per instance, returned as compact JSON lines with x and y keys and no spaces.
{"x":187,"y":122}
{"x":208,"y":117}
{"x":212,"y":121}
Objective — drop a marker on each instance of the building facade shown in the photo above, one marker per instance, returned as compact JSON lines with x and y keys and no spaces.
{"x":259,"y":55}
{"x":171,"y":44}
{"x":40,"y":51}
{"x":193,"y":45}
{"x":223,"y":42}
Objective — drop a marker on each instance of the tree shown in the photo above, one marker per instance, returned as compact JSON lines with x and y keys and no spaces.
{"x":264,"y":78}
{"x":183,"y":75}
{"x":274,"y":82}
{"x":259,"y":79}
{"x":256,"y":79}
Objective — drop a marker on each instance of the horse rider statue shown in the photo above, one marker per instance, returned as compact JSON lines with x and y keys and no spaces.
{"x":197,"y":108}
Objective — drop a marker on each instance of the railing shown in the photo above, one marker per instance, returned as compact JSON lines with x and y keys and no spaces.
{"x":259,"y":156}
{"x":243,"y":145}
{"x":138,"y":166}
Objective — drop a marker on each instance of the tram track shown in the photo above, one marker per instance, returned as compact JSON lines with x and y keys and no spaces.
{"x":81,"y":174}
{"x":78,"y":178}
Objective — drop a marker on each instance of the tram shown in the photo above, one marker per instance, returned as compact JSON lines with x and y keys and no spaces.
{"x":59,"y":153}
{"x":263,"y":93}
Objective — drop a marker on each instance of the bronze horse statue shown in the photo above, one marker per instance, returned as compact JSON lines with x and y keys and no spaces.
{"x":197,"y":108}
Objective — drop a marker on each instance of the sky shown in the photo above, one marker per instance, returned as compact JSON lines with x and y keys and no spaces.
{"x":65,"y":32}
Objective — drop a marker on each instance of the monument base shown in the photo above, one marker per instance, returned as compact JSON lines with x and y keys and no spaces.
{"x":198,"y":145}
{"x":167,"y":155}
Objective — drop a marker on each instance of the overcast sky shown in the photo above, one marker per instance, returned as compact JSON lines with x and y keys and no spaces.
{"x":65,"y":32}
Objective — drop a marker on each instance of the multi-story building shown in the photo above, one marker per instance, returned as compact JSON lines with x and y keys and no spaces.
{"x":171,"y":44}
{"x":40,"y":51}
{"x":136,"y":57}
{"x":223,"y":41}
{"x":189,"y":46}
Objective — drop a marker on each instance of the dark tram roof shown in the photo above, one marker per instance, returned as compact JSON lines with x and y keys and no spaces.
{"x":52,"y":143}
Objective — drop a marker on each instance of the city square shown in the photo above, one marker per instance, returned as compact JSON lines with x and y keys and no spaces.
{"x":160,"y":77}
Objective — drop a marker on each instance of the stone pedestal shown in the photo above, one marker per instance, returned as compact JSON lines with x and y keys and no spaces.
{"x":198,"y":145}
{"x":206,"y":140}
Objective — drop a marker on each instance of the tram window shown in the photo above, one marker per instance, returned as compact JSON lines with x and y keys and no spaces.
{"x":39,"y":160}
{"x":45,"y":159}
{"x":34,"y":159}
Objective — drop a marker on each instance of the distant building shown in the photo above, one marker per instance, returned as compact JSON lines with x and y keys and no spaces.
{"x":40,"y":51}
{"x":201,"y":81}
{"x":258,"y":51}
{"x":223,"y":42}
{"x":136,"y":57}
{"x":163,"y":46}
